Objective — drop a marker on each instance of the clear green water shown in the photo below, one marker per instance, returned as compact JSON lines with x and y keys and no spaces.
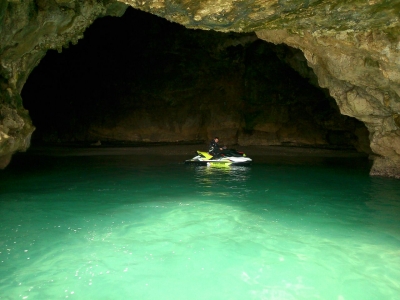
{"x":136,"y":227}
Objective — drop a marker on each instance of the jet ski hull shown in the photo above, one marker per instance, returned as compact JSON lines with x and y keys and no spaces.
{"x":216,"y":163}
{"x":225,"y":159}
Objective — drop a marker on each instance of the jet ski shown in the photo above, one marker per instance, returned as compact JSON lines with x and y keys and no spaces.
{"x":227,"y":157}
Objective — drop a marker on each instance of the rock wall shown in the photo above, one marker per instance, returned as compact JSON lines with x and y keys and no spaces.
{"x":156,"y":81}
{"x":361,"y":72}
{"x":28,"y":29}
{"x":353,"y":47}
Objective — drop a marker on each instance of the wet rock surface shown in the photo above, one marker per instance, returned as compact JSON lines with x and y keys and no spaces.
{"x":352,"y":48}
{"x":165,"y":83}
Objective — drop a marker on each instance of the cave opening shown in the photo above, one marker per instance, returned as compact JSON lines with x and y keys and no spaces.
{"x":142,"y":79}
{"x":137,"y":222}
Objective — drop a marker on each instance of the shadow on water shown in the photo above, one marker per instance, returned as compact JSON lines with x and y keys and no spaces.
{"x":29,"y":174}
{"x":313,"y":214}
{"x":339,"y":190}
{"x":97,"y":184}
{"x":298,"y":187}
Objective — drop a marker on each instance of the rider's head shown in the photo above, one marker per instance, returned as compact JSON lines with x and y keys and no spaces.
{"x":216,"y":139}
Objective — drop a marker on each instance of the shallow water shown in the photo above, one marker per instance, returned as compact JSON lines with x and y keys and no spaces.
{"x":148,"y":227}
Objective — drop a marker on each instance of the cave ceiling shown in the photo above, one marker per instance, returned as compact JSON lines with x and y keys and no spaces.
{"x":352,"y":46}
{"x":140,"y":78}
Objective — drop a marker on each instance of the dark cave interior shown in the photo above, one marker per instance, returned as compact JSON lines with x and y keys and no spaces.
{"x":141,"y":64}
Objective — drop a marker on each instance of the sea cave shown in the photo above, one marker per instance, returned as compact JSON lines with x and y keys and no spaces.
{"x":141,"y":79}
{"x":297,"y":74}
{"x":107,"y":110}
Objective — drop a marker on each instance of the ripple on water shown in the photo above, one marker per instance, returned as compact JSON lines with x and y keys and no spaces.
{"x":172,"y":232}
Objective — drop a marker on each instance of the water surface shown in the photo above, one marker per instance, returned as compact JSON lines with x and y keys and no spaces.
{"x":150,"y":227}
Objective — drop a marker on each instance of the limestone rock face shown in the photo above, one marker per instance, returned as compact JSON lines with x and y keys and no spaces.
{"x":176,"y":84}
{"x":28,"y":29}
{"x":361,"y":72}
{"x":352,"y":46}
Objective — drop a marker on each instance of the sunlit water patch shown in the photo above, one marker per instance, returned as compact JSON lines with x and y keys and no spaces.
{"x":129,"y":228}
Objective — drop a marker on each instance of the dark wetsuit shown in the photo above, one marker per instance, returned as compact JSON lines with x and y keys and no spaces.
{"x":214,"y":148}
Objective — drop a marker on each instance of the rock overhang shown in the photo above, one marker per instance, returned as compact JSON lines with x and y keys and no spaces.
{"x":352,"y":46}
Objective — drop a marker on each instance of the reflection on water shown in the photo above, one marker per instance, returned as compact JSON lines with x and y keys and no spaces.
{"x":218,"y":174}
{"x":120,"y":228}
{"x":222,"y":182}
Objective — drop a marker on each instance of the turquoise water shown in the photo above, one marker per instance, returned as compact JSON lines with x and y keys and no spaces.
{"x":147,"y":227}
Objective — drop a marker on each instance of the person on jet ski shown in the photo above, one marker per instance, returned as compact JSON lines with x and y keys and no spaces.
{"x":215,"y":148}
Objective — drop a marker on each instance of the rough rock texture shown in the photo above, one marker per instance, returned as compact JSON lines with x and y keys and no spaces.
{"x":361,"y":72}
{"x":353,"y":47}
{"x":27,"y":30}
{"x":160,"y":82}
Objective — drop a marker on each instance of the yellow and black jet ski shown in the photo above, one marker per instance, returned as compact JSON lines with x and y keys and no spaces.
{"x":227,"y":157}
